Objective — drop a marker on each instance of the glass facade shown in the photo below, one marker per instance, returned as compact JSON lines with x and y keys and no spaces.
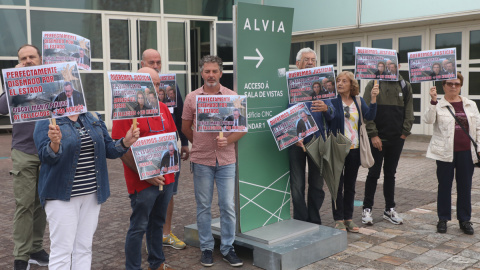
{"x":148,"y":6}
{"x":348,"y":53}
{"x":450,"y":40}
{"x":295,"y":47}
{"x":408,"y":44}
{"x":382,"y":43}
{"x":328,"y":54}
{"x":222,"y":9}
{"x":13,"y":32}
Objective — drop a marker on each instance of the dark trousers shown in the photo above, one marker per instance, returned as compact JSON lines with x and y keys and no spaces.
{"x":389,"y":156}
{"x":316,"y":195}
{"x":346,"y":188}
{"x":462,"y":166}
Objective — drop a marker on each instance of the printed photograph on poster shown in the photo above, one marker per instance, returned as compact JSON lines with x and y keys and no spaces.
{"x":168,"y":90}
{"x":221,"y":113}
{"x":156,"y":155}
{"x":311,"y":84}
{"x":133,"y":95}
{"x":376,"y":64}
{"x":43,"y":92}
{"x":433,"y":65}
{"x":59,"y":47}
{"x":292,"y":125}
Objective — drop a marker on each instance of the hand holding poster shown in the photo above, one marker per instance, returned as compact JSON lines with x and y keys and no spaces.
{"x":59,"y":47}
{"x":156,"y":155}
{"x":292,"y":125}
{"x":168,"y":90}
{"x":43,"y":92}
{"x":133,"y":95}
{"x":311,"y":84}
{"x":376,"y":64}
{"x":221,"y":113}
{"x":433,"y":65}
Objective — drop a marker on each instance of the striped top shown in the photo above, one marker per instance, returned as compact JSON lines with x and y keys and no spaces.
{"x":84,"y":181}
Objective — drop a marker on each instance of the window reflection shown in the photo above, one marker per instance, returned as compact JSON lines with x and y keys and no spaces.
{"x":83,"y":24}
{"x":474,"y":84}
{"x":176,"y":41}
{"x":328,"y":54}
{"x":92,"y":84}
{"x":225,"y":41}
{"x":149,"y":6}
{"x":219,"y":8}
{"x":450,"y":40}
{"x":348,"y":52}
{"x":13,"y":31}
{"x":382,"y":43}
{"x":119,"y":39}
{"x":474,"y":44}
{"x":147,"y":36}
{"x":408,"y":44}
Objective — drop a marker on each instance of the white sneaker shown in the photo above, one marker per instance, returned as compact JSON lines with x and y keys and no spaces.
{"x":367,"y":216}
{"x":392,"y":216}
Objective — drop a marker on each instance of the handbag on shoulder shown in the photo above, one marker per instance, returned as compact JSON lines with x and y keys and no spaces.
{"x":366,"y":157}
{"x":471,"y":139}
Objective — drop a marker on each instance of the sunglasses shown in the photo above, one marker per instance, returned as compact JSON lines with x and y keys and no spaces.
{"x":451,"y":84}
{"x":346,"y":109}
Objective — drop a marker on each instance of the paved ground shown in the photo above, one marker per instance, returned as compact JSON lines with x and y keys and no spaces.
{"x":414,"y":245}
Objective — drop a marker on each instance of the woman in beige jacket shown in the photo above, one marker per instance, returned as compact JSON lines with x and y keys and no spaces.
{"x":451,"y":147}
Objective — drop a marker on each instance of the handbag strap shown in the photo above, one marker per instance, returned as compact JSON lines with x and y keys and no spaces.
{"x":463,"y":128}
{"x":359,"y":104}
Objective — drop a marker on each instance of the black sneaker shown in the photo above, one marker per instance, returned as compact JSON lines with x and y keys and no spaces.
{"x":41,"y":258}
{"x":466,"y":227}
{"x":207,"y":258}
{"x":442,"y":226}
{"x":232,"y":258}
{"x":21,"y":265}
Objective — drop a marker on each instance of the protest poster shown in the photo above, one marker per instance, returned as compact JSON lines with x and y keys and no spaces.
{"x":311,"y":84}
{"x":433,"y":65}
{"x":43,"y":92}
{"x":168,"y":90}
{"x":59,"y":47}
{"x":133,"y":95}
{"x":376,"y":64}
{"x":217,"y":113}
{"x":292,"y":125}
{"x":156,"y":155}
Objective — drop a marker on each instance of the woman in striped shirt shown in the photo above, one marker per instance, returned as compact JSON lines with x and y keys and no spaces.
{"x":73,"y":182}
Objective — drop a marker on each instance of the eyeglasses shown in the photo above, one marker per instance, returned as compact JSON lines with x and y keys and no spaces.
{"x":346,"y":109}
{"x":451,"y":84}
{"x":151,"y":130}
{"x":309,"y":60}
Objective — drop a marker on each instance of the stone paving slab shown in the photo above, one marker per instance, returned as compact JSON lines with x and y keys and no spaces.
{"x":413,"y":245}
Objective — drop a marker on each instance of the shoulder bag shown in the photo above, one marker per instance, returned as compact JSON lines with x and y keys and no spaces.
{"x":366,"y":157}
{"x":471,"y":139}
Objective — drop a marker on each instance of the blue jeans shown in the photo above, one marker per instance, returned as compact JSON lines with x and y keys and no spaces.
{"x":203,"y":178}
{"x":149,"y":210}
{"x":310,"y":211}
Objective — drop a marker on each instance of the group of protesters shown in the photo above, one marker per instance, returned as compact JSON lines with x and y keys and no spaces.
{"x":387,"y":109}
{"x":69,"y":187}
{"x":60,"y":176}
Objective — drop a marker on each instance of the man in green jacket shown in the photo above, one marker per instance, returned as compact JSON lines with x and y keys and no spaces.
{"x":387,"y":134}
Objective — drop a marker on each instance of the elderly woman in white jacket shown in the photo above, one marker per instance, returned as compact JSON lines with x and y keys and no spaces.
{"x":451,"y":147}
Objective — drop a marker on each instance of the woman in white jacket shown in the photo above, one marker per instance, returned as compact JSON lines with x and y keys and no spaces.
{"x":451,"y":147}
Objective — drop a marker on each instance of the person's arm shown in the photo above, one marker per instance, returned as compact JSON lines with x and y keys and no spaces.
{"x":409,"y":117}
{"x":46,"y":146}
{"x":329,"y":114}
{"x":370,"y":124}
{"x":430,"y":115}
{"x":187,"y":129}
{"x":369,"y":112}
{"x":232,"y":138}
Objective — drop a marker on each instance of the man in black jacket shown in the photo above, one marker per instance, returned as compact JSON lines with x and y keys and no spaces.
{"x":387,"y":132}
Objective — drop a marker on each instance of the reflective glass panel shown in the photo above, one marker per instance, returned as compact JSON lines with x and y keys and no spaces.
{"x":439,"y":86}
{"x":147,"y":36}
{"x":119,"y":39}
{"x":176,"y":41}
{"x":6,"y":64}
{"x":408,"y":44}
{"x":382,"y":43}
{"x":92,"y":84}
{"x":450,"y":40}
{"x":295,"y":47}
{"x":149,"y":6}
{"x":120,"y":66}
{"x":475,"y":44}
{"x":177,"y":67}
{"x":83,"y":24}
{"x":328,"y":54}
{"x":474,"y":83}
{"x":225,"y":41}
{"x":348,"y":52}
{"x":12,"y":2}
{"x":13,"y":31}
{"x":417,"y":120}
{"x":97,"y":65}
{"x":416,"y":104}
{"x":219,"y":8}
{"x":227,"y":80}
{"x":181,"y":83}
